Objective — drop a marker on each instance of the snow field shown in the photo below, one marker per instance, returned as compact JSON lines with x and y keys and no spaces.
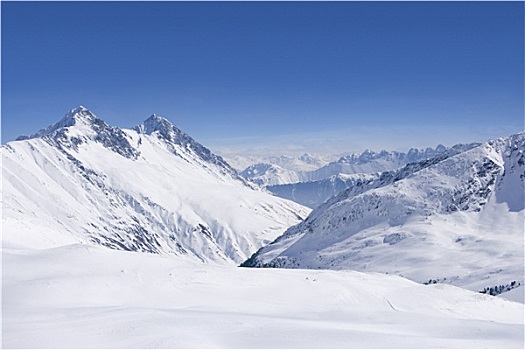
{"x":86,"y":296}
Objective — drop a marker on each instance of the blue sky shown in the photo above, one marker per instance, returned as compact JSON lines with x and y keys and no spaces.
{"x":274,"y":77}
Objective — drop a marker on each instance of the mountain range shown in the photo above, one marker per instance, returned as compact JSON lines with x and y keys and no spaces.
{"x":304,"y":162}
{"x":151,"y":188}
{"x":283,"y":170}
{"x":313,"y":187}
{"x":132,"y":238}
{"x":455,"y":218}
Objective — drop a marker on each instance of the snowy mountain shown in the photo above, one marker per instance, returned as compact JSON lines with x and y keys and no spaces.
{"x":456,"y":218}
{"x":305,"y":162}
{"x":313,"y":193}
{"x":265,"y":174}
{"x":368,"y":162}
{"x":151,"y":189}
{"x":79,"y":186}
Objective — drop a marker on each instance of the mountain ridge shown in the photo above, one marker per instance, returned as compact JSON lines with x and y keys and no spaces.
{"x":158,"y":191}
{"x":415,"y":222}
{"x":167,"y":131}
{"x":366,"y":162}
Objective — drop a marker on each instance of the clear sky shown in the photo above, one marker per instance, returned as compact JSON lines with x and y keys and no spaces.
{"x":271,"y":76}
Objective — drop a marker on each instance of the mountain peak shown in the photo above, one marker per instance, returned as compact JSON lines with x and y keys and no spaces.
{"x":155,"y":117}
{"x":76,"y":116}
{"x":155,"y":123}
{"x":80,"y":114}
{"x":80,"y":125}
{"x":80,"y":108}
{"x":177,"y":141}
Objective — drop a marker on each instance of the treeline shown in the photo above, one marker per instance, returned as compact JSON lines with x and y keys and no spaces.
{"x":500,"y":289}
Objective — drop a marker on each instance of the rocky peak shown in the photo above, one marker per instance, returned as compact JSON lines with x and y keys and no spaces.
{"x":79,"y":116}
{"x":178,"y":141}
{"x":80,"y":125}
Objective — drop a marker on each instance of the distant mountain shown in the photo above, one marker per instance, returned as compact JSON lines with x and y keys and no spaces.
{"x":456,"y":218}
{"x":152,"y":189}
{"x":312,"y":188}
{"x":305,"y":162}
{"x":265,"y":174}
{"x":368,"y":162}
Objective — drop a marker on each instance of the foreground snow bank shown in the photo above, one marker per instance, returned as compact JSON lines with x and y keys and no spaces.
{"x":85,"y":296}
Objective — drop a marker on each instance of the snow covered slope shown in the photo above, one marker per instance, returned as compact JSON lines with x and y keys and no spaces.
{"x":151,"y":189}
{"x":454,"y":219}
{"x":83,"y":296}
{"x":265,"y":174}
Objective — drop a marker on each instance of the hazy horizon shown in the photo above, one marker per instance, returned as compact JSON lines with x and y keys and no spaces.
{"x":315,"y":143}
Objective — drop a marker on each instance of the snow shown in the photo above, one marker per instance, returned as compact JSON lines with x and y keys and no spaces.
{"x":115,"y":238}
{"x":457,"y":220}
{"x":104,"y":298}
{"x":284,"y":170}
{"x":305,"y":162}
{"x":265,"y":174}
{"x":157,"y":190}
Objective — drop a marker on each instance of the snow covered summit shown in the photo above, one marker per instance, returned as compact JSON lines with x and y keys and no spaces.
{"x":76,"y":116}
{"x":174,"y":138}
{"x":79,"y":126}
{"x":152,"y":189}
